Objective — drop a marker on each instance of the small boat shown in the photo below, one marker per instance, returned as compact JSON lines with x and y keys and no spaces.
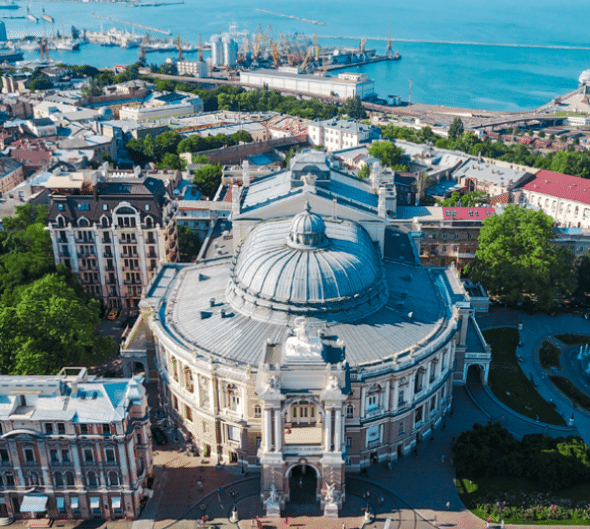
{"x":32,"y":18}
{"x":49,"y":18}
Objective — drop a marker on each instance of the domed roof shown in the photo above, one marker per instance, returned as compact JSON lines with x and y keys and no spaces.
{"x":307,"y":230}
{"x":306,"y":266}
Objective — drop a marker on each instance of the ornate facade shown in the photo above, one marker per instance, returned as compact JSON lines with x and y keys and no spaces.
{"x":320,"y":343}
{"x":72,"y":446}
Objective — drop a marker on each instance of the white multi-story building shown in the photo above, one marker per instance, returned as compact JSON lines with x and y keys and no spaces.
{"x":195,"y":68}
{"x":224,"y":50}
{"x":344,"y":86}
{"x":337,"y":134}
{"x":565,"y":198}
{"x":116,"y":237}
{"x":72,"y":446}
{"x":163,"y":107}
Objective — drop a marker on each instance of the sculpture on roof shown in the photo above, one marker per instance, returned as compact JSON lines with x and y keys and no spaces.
{"x":272,"y":384}
{"x":303,"y":346}
{"x":333,"y":382}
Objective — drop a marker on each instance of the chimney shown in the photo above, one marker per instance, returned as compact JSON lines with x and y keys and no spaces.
{"x":246,"y":173}
{"x":235,"y":197}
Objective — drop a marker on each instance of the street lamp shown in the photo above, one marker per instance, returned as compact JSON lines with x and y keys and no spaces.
{"x":366,"y":496}
{"x":234,"y":512}
{"x":243,"y":471}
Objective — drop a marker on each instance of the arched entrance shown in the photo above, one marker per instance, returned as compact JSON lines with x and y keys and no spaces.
{"x":303,"y":481}
{"x":475,"y":374}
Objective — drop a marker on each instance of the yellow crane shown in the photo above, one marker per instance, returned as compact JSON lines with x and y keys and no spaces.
{"x":324,"y":65}
{"x":243,"y":51}
{"x":275,"y":53}
{"x":317,"y":47}
{"x":307,"y":57}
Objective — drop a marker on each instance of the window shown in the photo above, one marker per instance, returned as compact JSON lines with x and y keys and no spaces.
{"x":4,"y":455}
{"x":61,"y":428}
{"x":175,"y":402}
{"x":61,"y":504}
{"x":204,"y":425}
{"x":54,"y":456}
{"x":10,"y":480}
{"x":400,"y":398}
{"x":400,"y":430}
{"x":110,"y":455}
{"x":349,"y":441}
{"x":233,"y":433}
{"x":29,"y":455}
{"x":113,"y":479}
{"x":456,"y":236}
{"x":69,"y":479}
{"x":350,"y":411}
{"x":48,"y":428}
{"x":348,"y":460}
{"x":433,"y":404}
{"x":91,"y":480}
{"x":65,"y":456}
{"x":116,"y":504}
{"x":74,"y":504}
{"x":58,"y":479}
{"x":88,"y":456}
{"x":418,"y":416}
{"x":188,"y":413}
{"x":95,"y":505}
{"x":106,"y":428}
{"x":257,"y":411}
{"x":84,"y":428}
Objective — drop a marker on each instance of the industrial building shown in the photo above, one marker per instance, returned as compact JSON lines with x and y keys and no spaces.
{"x":195,"y":68}
{"x":346,"y":85}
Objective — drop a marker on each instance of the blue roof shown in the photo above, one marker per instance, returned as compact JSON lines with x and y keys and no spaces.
{"x":354,"y":193}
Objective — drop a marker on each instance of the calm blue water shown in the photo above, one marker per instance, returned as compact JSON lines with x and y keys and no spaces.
{"x":480,"y":77}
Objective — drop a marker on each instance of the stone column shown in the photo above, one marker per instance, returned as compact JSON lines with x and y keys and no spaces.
{"x":363,"y":398}
{"x":267,"y":430}
{"x":338,"y":430}
{"x":278,"y":431}
{"x":328,"y":431}
{"x":387,"y":395}
{"x":395,"y":395}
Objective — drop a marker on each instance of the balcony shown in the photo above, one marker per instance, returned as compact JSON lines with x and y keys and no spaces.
{"x":234,"y":414}
{"x":375,"y":412}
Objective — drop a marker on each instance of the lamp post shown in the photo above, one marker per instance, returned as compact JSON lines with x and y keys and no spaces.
{"x":366,"y":496}
{"x":234,"y":512}
{"x":243,"y":471}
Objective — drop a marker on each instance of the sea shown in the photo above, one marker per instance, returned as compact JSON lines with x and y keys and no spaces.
{"x":466,"y":71}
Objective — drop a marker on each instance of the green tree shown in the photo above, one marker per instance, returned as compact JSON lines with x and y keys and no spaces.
{"x":91,"y":88}
{"x":541,"y":134}
{"x":189,"y":244}
{"x":584,"y":275}
{"x":172,"y":161}
{"x":50,"y":326}
{"x":208,"y":178}
{"x":390,"y":155}
{"x":169,"y":68}
{"x":41,"y":83}
{"x":530,"y":132}
{"x":25,"y":247}
{"x":365,"y":171}
{"x":353,"y":108}
{"x":456,"y":129}
{"x":516,"y":255}
{"x":242,"y":136}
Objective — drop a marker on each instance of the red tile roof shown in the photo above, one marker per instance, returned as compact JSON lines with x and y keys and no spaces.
{"x":462,"y":213}
{"x":30,"y":156}
{"x":560,"y":186}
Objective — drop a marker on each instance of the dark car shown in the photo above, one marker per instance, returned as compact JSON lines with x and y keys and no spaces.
{"x":159,"y":436}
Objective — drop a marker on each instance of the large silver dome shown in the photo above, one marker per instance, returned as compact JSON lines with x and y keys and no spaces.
{"x":307,"y":266}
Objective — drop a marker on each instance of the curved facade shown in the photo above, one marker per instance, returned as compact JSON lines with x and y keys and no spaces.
{"x":314,"y":348}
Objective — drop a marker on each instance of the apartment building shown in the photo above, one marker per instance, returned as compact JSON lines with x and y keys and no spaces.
{"x":115,"y":236}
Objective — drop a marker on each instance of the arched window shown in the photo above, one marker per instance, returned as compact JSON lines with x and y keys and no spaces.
{"x":148,"y":222}
{"x":257,"y":411}
{"x":113,"y":479}
{"x":83,"y":223}
{"x":188,"y":380}
{"x":91,"y":480}
{"x":69,"y":479}
{"x":105,"y":222}
{"x":60,"y":222}
{"x":350,"y":411}
{"x":373,"y":397}
{"x":58,"y":479}
{"x":233,"y":397}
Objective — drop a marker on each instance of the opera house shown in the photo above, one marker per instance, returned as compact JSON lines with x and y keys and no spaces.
{"x":310,"y":339}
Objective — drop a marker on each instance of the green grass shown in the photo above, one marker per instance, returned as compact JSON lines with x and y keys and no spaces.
{"x":509,"y":383}
{"x":571,"y":391}
{"x":471,"y":492}
{"x":549,"y":356}
{"x":573,"y":339}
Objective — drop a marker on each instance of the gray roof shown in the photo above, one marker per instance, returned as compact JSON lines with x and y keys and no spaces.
{"x":96,"y":401}
{"x":417,"y":312}
{"x":489,"y":173}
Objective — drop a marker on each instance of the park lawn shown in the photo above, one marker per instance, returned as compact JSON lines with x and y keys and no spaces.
{"x":569,"y":389}
{"x":471,"y":492}
{"x":573,"y":339}
{"x":549,"y":356}
{"x":509,"y":383}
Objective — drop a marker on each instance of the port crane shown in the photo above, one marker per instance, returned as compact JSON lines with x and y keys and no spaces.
{"x":179,"y":46}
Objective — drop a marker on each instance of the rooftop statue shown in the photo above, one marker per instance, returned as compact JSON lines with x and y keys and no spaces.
{"x":303,"y":346}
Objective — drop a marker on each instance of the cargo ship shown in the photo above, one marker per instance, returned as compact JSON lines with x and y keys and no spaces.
{"x":8,"y":5}
{"x":11,"y":56}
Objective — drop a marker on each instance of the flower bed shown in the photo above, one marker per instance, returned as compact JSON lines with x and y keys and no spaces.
{"x":519,"y":506}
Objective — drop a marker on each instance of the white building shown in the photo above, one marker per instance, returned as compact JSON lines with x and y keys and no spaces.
{"x":565,"y":198}
{"x":195,"y":68}
{"x":493,"y":179}
{"x":337,"y":134}
{"x":344,"y":86}
{"x":163,"y":107}
{"x":224,"y":50}
{"x":309,"y":347}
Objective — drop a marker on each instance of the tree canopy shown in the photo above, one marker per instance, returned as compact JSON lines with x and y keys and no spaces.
{"x":189,"y":244}
{"x":456,"y":129}
{"x":208,"y":178}
{"x":353,"y":108}
{"x":390,"y":155}
{"x":516,"y":255}
{"x":468,"y":200}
